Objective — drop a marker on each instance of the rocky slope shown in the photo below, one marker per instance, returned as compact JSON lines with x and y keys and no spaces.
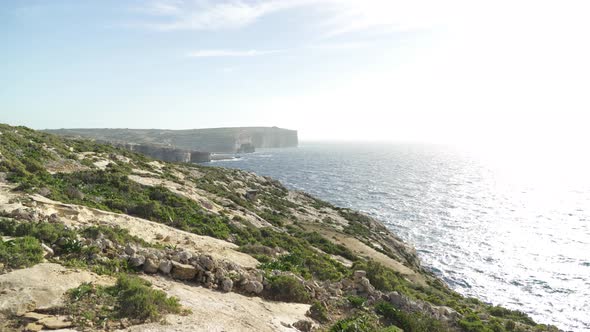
{"x":99,"y":238}
{"x":217,"y":140}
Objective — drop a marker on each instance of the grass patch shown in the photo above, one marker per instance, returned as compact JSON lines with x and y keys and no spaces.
{"x":409,"y":322}
{"x":21,"y":252}
{"x":287,"y":289}
{"x":131,"y":298}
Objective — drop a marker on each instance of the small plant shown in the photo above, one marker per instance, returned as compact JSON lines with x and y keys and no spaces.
{"x":357,"y":323}
{"x":318,"y":312}
{"x":409,"y":322}
{"x":136,"y":299}
{"x":356,"y":301}
{"x":131,"y":298}
{"x":20,"y":252}
{"x":287,"y":289}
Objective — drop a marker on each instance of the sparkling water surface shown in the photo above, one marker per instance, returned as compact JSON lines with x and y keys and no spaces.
{"x":511,"y":233}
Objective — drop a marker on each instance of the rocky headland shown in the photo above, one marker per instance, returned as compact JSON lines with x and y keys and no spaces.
{"x":214,"y":140}
{"x":95,"y":237}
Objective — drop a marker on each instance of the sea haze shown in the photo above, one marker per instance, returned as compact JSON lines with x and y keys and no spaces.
{"x":508,"y":233}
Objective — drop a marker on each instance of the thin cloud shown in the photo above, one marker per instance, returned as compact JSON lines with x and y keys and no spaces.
{"x":230,"y":53}
{"x":213,"y":15}
{"x":334,"y":17}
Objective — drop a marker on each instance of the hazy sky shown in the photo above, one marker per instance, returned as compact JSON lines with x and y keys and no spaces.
{"x":439,"y":71}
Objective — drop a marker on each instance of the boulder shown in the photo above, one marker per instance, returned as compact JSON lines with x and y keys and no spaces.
{"x":165,"y":266}
{"x":183,"y":271}
{"x":359,"y":274}
{"x":207,"y":262}
{"x":33,"y":327}
{"x":303,"y":325}
{"x":151,"y":266}
{"x":55,"y":323}
{"x":137,"y":260}
{"x":227,"y":284}
{"x":129,"y":250}
{"x":253,"y":286}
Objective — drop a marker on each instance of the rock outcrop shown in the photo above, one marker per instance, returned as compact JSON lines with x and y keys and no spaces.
{"x":216,"y":140}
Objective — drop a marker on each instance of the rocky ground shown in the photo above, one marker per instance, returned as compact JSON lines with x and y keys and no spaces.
{"x":215,"y":250}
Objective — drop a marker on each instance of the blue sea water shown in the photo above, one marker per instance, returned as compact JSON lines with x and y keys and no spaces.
{"x":510,"y":232}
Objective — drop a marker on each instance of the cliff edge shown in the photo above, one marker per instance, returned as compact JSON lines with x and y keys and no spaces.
{"x":94,"y":238}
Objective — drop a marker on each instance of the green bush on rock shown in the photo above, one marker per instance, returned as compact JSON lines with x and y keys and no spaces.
{"x":20,"y":252}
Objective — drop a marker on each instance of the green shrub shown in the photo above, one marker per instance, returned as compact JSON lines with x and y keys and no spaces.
{"x":510,"y":325}
{"x":130,"y":297}
{"x":472,"y":323}
{"x":356,"y":301}
{"x":287,"y":289}
{"x":136,"y":299}
{"x":382,"y":277}
{"x":409,"y":322}
{"x":318,"y":312}
{"x":21,"y":252}
{"x":358,"y":323}
{"x":515,"y":315}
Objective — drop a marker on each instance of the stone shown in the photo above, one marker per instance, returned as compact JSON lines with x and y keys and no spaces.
{"x":35,"y":316}
{"x":33,"y":327}
{"x":54,"y":323}
{"x":303,"y":325}
{"x":48,"y":251}
{"x":44,"y":191}
{"x":137,"y":260}
{"x":53,"y":218}
{"x":183,"y":271}
{"x":365,"y":286}
{"x":184,"y":256}
{"x":359,"y":274}
{"x":207,"y":262}
{"x":227,"y":284}
{"x":151,"y":266}
{"x":129,"y":250}
{"x":165,"y":266}
{"x":253,"y":286}
{"x":251,"y":195}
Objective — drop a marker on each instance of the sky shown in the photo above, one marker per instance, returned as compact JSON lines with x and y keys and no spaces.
{"x":477,"y":72}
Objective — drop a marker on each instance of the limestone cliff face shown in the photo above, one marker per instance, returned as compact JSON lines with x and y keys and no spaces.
{"x":168,"y":154}
{"x":222,"y":140}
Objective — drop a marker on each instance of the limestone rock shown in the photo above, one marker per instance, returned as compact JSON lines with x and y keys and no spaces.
{"x":359,"y":274}
{"x":151,"y":265}
{"x":129,"y":250}
{"x":39,"y":287}
{"x":137,"y":260}
{"x":35,"y":316}
{"x":54,"y":323}
{"x":227,"y":284}
{"x":207,"y":262}
{"x":303,"y":325}
{"x":48,"y":251}
{"x":253,"y":286}
{"x":183,"y":271}
{"x":165,"y":266}
{"x":33,"y":327}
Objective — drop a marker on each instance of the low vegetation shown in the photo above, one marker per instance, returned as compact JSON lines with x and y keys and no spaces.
{"x":20,"y":252}
{"x":130,"y":298}
{"x":289,"y":254}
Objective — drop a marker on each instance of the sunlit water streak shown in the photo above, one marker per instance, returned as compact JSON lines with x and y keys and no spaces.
{"x":513,"y":233}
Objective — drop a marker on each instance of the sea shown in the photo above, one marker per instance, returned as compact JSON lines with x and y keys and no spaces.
{"x":510,"y":229}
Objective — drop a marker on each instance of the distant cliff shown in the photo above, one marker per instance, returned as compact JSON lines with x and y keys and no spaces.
{"x":221,"y":140}
{"x":169,"y":154}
